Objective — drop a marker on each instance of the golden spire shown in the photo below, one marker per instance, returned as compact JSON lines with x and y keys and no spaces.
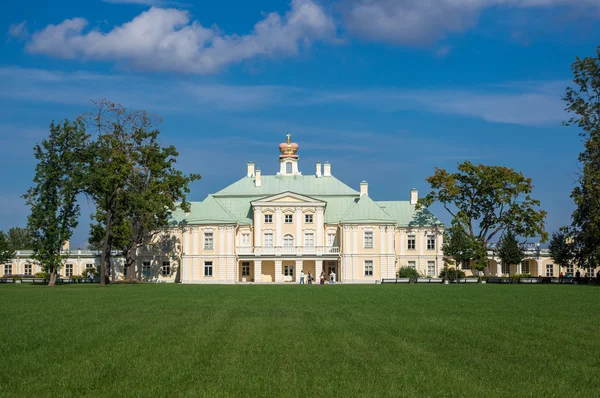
{"x":289,"y":137}
{"x":288,"y":149}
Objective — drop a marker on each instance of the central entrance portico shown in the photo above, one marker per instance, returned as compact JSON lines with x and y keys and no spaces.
{"x":285,"y":269}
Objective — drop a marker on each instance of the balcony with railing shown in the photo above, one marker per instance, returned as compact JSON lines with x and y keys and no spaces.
{"x":287,"y":250}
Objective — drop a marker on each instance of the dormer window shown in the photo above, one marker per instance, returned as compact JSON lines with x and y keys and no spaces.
{"x":288,"y":168}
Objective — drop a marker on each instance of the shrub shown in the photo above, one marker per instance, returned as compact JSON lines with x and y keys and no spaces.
{"x":42,"y":275}
{"x":408,"y":272}
{"x":451,"y":273}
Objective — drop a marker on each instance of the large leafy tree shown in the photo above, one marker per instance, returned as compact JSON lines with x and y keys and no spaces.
{"x":561,"y":248}
{"x":53,"y":196}
{"x":509,"y":250}
{"x":20,"y":238}
{"x":484,"y":201}
{"x":583,"y":104}
{"x":7,"y":252}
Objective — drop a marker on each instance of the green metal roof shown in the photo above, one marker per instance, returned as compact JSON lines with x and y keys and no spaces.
{"x":271,"y":185}
{"x":406,"y":215}
{"x":209,"y":211}
{"x":365,"y":211}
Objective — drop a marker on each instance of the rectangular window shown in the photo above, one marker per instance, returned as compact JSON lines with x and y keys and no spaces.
{"x":549,"y":269}
{"x":28,"y":269}
{"x":590,"y":272}
{"x":330,"y":240}
{"x":308,"y":218}
{"x":506,"y":269}
{"x":208,"y":241}
{"x":89,"y":267}
{"x":166,"y":245}
{"x":7,"y":269}
{"x":411,"y":242}
{"x":430,"y":268}
{"x":246,"y":268}
{"x":208,"y":268}
{"x":368,"y":267}
{"x":368,"y":242}
{"x":525,"y":267}
{"x":309,"y":239}
{"x":268,"y":240}
{"x":430,"y":242}
{"x":69,"y":270}
{"x":268,"y":218}
{"x":165,"y":270}
{"x":412,"y":264}
{"x":570,"y":270}
{"x":245,"y":240}
{"x":289,"y":218}
{"x":288,"y":270}
{"x":146,"y":269}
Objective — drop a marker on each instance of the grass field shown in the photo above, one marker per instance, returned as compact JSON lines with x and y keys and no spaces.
{"x":182,"y":340}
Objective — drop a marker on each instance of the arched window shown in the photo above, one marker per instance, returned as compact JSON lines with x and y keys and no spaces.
{"x":288,"y":168}
{"x":288,"y":241}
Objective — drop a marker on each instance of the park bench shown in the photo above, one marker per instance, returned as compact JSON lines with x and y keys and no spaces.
{"x":65,"y":280}
{"x":395,"y":280}
{"x":33,"y":280}
{"x":468,"y":280}
{"x":568,"y":281}
{"x":429,"y":280}
{"x":498,"y":280}
{"x":7,"y":280}
{"x":529,"y":280}
{"x":555,"y":280}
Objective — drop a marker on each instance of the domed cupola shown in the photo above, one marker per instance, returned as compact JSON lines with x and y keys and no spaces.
{"x":288,"y":160}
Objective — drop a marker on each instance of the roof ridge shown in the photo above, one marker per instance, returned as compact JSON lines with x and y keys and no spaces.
{"x":222,"y":206}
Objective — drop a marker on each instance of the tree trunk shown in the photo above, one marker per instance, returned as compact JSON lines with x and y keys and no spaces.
{"x":105,"y":256}
{"x":131,"y":260}
{"x":52,"y":281}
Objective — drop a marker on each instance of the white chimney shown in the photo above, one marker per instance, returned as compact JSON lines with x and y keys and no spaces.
{"x":364,"y":188}
{"x":257,"y":181}
{"x":414,"y":196}
{"x":250,"y":169}
{"x":327,"y":169}
{"x":318,"y":173}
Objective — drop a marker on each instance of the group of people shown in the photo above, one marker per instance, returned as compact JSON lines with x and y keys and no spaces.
{"x":310,"y":278}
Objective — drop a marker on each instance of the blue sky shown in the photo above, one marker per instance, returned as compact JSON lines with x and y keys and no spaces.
{"x":385,"y":90}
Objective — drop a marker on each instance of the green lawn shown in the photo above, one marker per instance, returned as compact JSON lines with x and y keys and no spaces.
{"x":174,"y":340}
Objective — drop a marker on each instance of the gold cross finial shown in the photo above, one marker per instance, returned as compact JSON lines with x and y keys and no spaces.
{"x":289,"y":137}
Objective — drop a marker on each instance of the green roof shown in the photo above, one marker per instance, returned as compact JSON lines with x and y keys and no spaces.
{"x":406,"y":215}
{"x":209,"y":211}
{"x":364,"y":210}
{"x":272,"y":185}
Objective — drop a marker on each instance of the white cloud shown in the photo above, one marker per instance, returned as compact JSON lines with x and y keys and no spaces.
{"x":418,"y":22}
{"x":18,"y":31}
{"x":168,"y":40}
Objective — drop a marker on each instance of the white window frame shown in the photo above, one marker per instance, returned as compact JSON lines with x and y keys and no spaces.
{"x":165,"y":269}
{"x":7,"y":269}
{"x":289,"y":168}
{"x":245,"y":239}
{"x":430,"y":242}
{"x":430,"y":267}
{"x":525,"y":265}
{"x":411,"y":264}
{"x":308,"y":219}
{"x":570,"y":269}
{"x":550,"y":270}
{"x":288,"y":270}
{"x":590,"y":272}
{"x":368,"y":267}
{"x":309,"y":239}
{"x":245,"y":268}
{"x":146,"y":269}
{"x":288,"y":218}
{"x":330,"y":239}
{"x":28,"y":269}
{"x":69,"y":268}
{"x":268,"y":218}
{"x":209,"y":240}
{"x":411,"y":240}
{"x":208,"y":269}
{"x":268,"y":239}
{"x":368,"y":238}
{"x":287,"y":238}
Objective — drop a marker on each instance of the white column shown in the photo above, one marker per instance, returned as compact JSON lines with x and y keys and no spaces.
{"x":499,"y":268}
{"x":222,"y":259}
{"x":257,"y":271}
{"x":299,"y":221}
{"x":195,"y":240}
{"x":297,"y":268}
{"x":402,"y":243}
{"x":278,"y":271}
{"x":257,"y":228}
{"x":185,"y":241}
{"x":278,"y":227}
{"x":355,"y":239}
{"x":320,"y":228}
{"x":539,"y":267}
{"x":318,"y":269}
{"x":519,"y":268}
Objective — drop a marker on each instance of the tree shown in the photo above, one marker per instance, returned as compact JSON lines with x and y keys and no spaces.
{"x":7,"y":252}
{"x":583,"y":104}
{"x":459,"y":249}
{"x":20,"y":238}
{"x":484,"y":201}
{"x":509,"y":251}
{"x":561,"y":249}
{"x":53,"y":197}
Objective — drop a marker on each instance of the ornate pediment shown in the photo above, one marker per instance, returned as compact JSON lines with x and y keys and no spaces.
{"x":288,"y":199}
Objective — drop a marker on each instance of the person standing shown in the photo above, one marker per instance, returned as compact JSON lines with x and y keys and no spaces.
{"x":322,"y":278}
{"x":302,"y":277}
{"x":309,"y":278}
